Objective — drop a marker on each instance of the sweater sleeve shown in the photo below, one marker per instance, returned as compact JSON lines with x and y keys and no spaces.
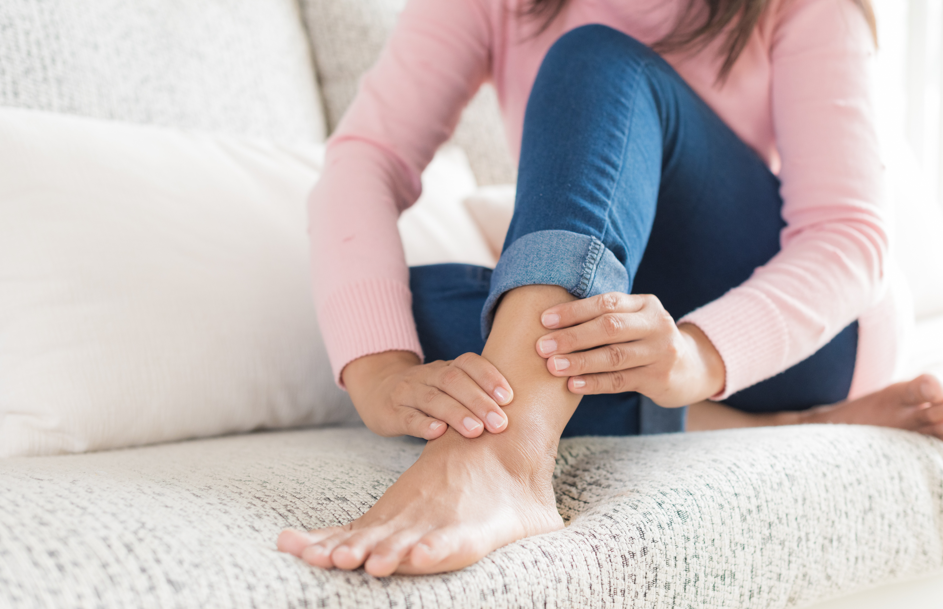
{"x":830,"y":269}
{"x":407,"y":105}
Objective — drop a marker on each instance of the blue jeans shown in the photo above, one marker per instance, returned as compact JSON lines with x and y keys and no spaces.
{"x":628,"y":182}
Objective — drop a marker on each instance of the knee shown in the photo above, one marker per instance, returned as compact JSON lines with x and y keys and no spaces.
{"x":595,"y":45}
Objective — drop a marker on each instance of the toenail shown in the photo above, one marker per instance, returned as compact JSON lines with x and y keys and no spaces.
{"x":347,"y":549}
{"x":471,"y":424}
{"x":561,"y":363}
{"x":925,"y":389}
{"x":495,"y":420}
{"x":548,"y":345}
{"x":317,"y":550}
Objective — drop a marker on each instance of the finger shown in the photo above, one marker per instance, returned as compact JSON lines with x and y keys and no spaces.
{"x":610,"y":358}
{"x":415,"y":423}
{"x":467,"y":390}
{"x":580,"y":311}
{"x":487,"y":376}
{"x":607,"y":329}
{"x":436,"y":403}
{"x":607,"y":382}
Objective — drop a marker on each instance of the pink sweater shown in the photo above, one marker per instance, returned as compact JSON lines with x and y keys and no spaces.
{"x":798,"y":96}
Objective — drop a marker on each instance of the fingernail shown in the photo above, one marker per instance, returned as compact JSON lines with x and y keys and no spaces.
{"x":471,"y":424}
{"x":501,"y":395}
{"x":548,"y":345}
{"x":561,"y":363}
{"x":435,"y":426}
{"x":495,"y":420}
{"x":578,"y":383}
{"x":550,"y":320}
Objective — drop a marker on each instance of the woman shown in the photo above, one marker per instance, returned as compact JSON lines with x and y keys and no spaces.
{"x":729,"y":179}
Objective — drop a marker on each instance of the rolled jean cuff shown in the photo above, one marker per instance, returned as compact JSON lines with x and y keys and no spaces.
{"x":580,"y":264}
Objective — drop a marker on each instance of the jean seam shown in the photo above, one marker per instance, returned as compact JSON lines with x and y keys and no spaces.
{"x":590,"y":262}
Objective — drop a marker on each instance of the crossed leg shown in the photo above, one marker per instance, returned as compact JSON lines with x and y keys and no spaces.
{"x":914,"y":405}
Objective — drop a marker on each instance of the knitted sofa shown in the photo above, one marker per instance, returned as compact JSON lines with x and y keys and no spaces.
{"x":768,"y":518}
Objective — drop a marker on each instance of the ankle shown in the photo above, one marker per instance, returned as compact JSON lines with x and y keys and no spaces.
{"x":529,"y":458}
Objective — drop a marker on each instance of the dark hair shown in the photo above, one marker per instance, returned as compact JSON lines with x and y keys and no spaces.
{"x":740,"y":15}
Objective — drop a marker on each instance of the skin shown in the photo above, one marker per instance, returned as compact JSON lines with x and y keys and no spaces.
{"x":465,"y":497}
{"x":471,"y":492}
{"x":914,"y":405}
{"x":605,"y":345}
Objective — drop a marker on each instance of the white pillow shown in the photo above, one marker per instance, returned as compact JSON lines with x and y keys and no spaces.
{"x":154,"y":286}
{"x":492,"y":208}
{"x":438,"y":228}
{"x":919,"y":226}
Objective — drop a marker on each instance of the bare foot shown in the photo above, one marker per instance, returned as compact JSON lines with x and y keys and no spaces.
{"x":915,"y":405}
{"x":465,"y":497}
{"x":461,"y":500}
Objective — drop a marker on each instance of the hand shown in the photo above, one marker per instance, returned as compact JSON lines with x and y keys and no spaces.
{"x":616,"y":342}
{"x":396,"y":395}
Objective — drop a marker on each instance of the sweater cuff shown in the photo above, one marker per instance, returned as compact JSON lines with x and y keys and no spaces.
{"x":367,"y":317}
{"x":750,"y":334}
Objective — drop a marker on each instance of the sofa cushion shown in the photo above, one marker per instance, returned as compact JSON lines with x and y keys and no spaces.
{"x":347,"y":37}
{"x":769,"y":518}
{"x":154,"y":283}
{"x":227,"y":66}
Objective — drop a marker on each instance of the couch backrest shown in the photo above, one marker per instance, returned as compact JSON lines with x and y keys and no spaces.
{"x":229,"y":66}
{"x":347,"y":37}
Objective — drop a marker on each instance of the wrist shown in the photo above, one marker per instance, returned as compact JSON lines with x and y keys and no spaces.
{"x":363,"y":375}
{"x":712,"y":371}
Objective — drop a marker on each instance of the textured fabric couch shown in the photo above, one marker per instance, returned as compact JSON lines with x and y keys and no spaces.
{"x":769,"y":518}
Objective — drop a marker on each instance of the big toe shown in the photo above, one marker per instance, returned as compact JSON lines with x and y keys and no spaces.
{"x":924,"y":388}
{"x":293,"y":542}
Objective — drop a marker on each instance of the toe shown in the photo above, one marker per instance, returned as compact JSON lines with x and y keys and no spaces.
{"x":389,"y":553}
{"x":293,"y":541}
{"x":933,"y":430}
{"x":352,"y":552}
{"x":924,"y":388}
{"x":932,"y":388}
{"x":319,"y":554}
{"x":441,"y":550}
{"x":932,"y":415}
